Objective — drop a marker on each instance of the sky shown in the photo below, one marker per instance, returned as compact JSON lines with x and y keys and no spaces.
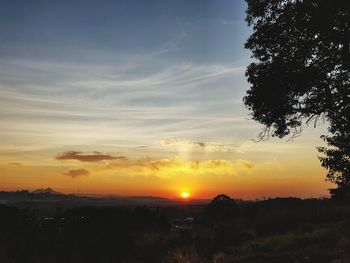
{"x":135,"y":97}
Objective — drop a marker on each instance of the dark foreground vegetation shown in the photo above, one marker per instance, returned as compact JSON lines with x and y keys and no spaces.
{"x":275,"y":230}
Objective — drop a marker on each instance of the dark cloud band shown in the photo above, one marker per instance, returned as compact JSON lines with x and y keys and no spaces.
{"x":94,"y":157}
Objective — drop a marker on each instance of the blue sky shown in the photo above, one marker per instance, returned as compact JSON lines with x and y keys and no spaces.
{"x":140,"y":78}
{"x":150,"y":65}
{"x":196,"y":31}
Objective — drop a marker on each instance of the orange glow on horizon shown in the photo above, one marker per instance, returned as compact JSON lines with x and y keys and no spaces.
{"x":173,"y":178}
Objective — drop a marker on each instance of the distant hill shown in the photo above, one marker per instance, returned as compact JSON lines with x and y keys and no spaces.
{"x":46,"y":191}
{"x":17,"y":196}
{"x":148,"y":197}
{"x":49,"y":195}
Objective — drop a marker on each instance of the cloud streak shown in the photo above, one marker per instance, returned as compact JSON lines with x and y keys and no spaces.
{"x":186,"y":145}
{"x":94,"y":157}
{"x":73,"y":102}
{"x":15,"y":164}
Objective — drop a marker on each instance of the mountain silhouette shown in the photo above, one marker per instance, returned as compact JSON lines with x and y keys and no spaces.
{"x":46,"y":191}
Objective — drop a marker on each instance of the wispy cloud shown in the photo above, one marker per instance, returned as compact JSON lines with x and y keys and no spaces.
{"x":173,"y":44}
{"x":69,"y":103}
{"x":77,"y":172}
{"x":15,"y":164}
{"x":187,"y":145}
{"x":94,"y":157}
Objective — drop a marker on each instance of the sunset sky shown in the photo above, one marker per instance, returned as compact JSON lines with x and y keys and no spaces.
{"x":136,"y":97}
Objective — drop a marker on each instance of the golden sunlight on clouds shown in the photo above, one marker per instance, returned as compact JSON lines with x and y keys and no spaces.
{"x":162,"y":168}
{"x":170,"y":177}
{"x":166,"y":168}
{"x":201,"y":171}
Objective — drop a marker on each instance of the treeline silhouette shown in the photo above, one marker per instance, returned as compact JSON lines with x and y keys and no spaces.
{"x":273,"y":230}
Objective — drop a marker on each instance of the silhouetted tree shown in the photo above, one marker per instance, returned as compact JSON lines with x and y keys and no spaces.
{"x":301,"y":73}
{"x":222,"y":207}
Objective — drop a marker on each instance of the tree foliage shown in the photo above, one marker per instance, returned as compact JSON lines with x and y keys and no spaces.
{"x":301,"y":73}
{"x":221,"y":208}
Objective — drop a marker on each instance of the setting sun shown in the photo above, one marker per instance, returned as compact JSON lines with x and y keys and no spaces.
{"x":185,"y":195}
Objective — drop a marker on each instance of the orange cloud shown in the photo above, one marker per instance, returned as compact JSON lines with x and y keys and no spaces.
{"x":94,"y":157}
{"x":74,"y":173}
{"x":161,"y":168}
{"x":176,"y":166}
